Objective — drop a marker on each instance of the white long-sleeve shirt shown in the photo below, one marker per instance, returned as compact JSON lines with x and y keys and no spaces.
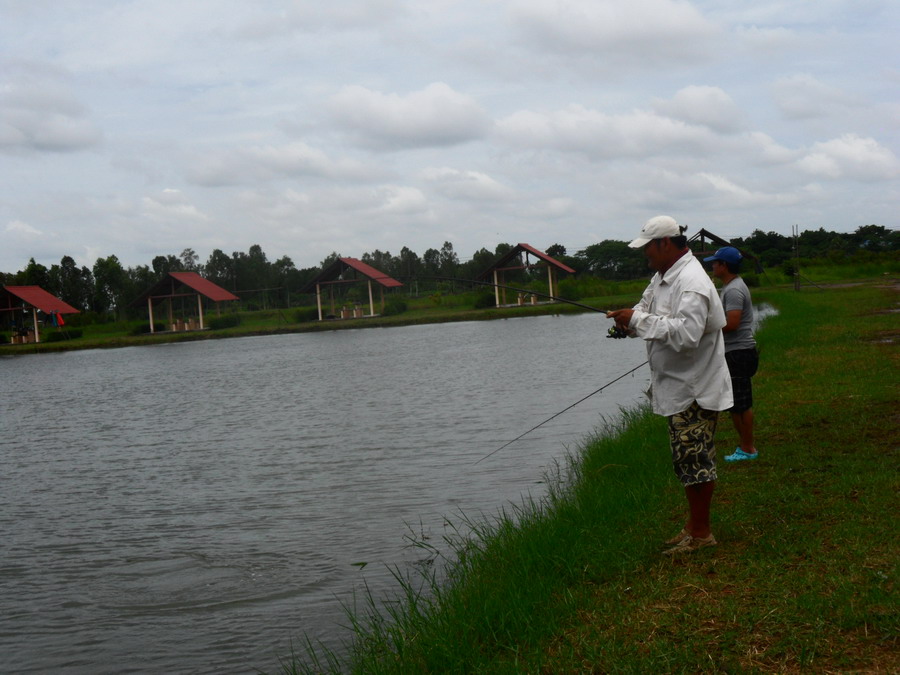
{"x":680,"y":316}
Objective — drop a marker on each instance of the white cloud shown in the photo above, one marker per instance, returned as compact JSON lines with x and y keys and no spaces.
{"x":310,"y":16}
{"x":709,"y":106}
{"x":261,"y":163}
{"x":633,"y":31}
{"x":767,"y":40}
{"x":361,"y":124}
{"x":473,"y":185}
{"x":171,"y":206}
{"x":769,"y":150}
{"x":17,"y":227}
{"x":434,"y":116}
{"x":802,"y":96}
{"x":740,"y":196}
{"x":851,"y":156}
{"x":400,"y":200}
{"x":39,"y":110}
{"x":603,"y":136}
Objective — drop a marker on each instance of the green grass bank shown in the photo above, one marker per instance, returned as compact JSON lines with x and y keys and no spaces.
{"x":805,"y":575}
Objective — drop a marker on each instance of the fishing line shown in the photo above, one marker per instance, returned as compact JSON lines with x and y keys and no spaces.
{"x":537,"y":426}
{"x":614,"y":332}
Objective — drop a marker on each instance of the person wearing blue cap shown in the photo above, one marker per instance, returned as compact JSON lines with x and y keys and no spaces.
{"x":741,"y":354}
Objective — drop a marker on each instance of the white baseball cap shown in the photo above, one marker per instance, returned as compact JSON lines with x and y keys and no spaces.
{"x":658,"y":227}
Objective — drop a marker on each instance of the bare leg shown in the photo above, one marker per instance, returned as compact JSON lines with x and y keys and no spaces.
{"x":699,"y":497}
{"x":743,"y":424}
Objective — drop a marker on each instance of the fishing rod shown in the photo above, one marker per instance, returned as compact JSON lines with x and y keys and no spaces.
{"x":537,"y":426}
{"x":614,"y":332}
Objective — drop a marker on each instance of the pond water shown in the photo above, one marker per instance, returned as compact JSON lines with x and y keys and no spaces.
{"x":200,"y":507}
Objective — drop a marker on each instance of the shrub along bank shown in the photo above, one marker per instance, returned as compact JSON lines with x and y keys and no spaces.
{"x":805,"y":575}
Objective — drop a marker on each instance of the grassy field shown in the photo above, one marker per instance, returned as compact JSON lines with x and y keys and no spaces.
{"x":805,"y":575}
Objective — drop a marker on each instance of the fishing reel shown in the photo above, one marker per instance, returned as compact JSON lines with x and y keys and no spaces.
{"x":616,"y":333}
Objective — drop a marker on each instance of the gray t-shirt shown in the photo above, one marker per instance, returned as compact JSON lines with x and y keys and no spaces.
{"x":736,"y":295}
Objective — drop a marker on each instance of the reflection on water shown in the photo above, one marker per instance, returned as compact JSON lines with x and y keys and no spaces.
{"x":196,"y":507}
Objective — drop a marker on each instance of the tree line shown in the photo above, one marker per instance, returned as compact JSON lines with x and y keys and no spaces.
{"x":108,"y":287}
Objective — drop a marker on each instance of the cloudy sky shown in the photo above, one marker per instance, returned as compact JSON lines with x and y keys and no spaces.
{"x":142,"y":127}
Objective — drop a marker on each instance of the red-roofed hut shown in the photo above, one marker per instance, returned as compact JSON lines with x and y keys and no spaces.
{"x":31,"y":299}
{"x":519,"y":251}
{"x":346,"y":271}
{"x":181,"y":285}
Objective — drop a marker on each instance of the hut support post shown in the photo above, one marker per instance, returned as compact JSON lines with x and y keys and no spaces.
{"x":37,"y":334}
{"x":150,"y":312}
{"x":319,"y":300}
{"x":200,"y":309}
{"x":371,"y":301}
{"x":496,"y":289}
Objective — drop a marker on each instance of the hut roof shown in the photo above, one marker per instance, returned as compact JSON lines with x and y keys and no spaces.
{"x":34,"y":296}
{"x":516,"y":251}
{"x":341,"y":265}
{"x":702,"y":235}
{"x":165,"y":288}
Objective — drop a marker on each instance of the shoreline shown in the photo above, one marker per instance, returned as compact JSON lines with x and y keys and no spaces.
{"x":805,"y":574}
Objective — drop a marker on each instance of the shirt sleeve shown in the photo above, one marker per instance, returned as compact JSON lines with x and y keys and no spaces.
{"x":733,"y":298}
{"x":679,"y":332}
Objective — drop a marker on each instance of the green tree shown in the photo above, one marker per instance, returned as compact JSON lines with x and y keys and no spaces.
{"x":220,"y":269}
{"x":163,"y":264}
{"x":876,"y":238}
{"x":410,"y":264}
{"x":448,"y":261}
{"x":611,"y":259}
{"x":110,"y":285}
{"x":481,"y":260}
{"x":556,"y":251}
{"x":190,"y":261}
{"x":34,"y":274}
{"x":71,"y":284}
{"x":330,"y":259}
{"x":431,"y":261}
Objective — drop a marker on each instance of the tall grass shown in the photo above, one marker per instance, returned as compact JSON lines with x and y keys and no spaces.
{"x":804,"y":578}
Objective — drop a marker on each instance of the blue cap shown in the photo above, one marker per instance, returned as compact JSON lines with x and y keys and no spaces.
{"x":728,"y":254}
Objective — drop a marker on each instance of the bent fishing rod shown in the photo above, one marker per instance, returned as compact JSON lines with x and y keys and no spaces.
{"x":614,"y":332}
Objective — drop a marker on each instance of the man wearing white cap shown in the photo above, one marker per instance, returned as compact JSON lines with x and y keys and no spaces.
{"x":680,"y":317}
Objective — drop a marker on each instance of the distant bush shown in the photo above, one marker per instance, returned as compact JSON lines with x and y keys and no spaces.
{"x":4,"y":338}
{"x":484,"y":300}
{"x":86,"y":318}
{"x":306,"y":314}
{"x":571,"y":288}
{"x":60,"y":336}
{"x":393,"y":306}
{"x":226,"y":321}
{"x":143,"y":328}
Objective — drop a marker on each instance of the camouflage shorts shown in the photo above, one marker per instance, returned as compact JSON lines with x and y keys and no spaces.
{"x":692,"y":439}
